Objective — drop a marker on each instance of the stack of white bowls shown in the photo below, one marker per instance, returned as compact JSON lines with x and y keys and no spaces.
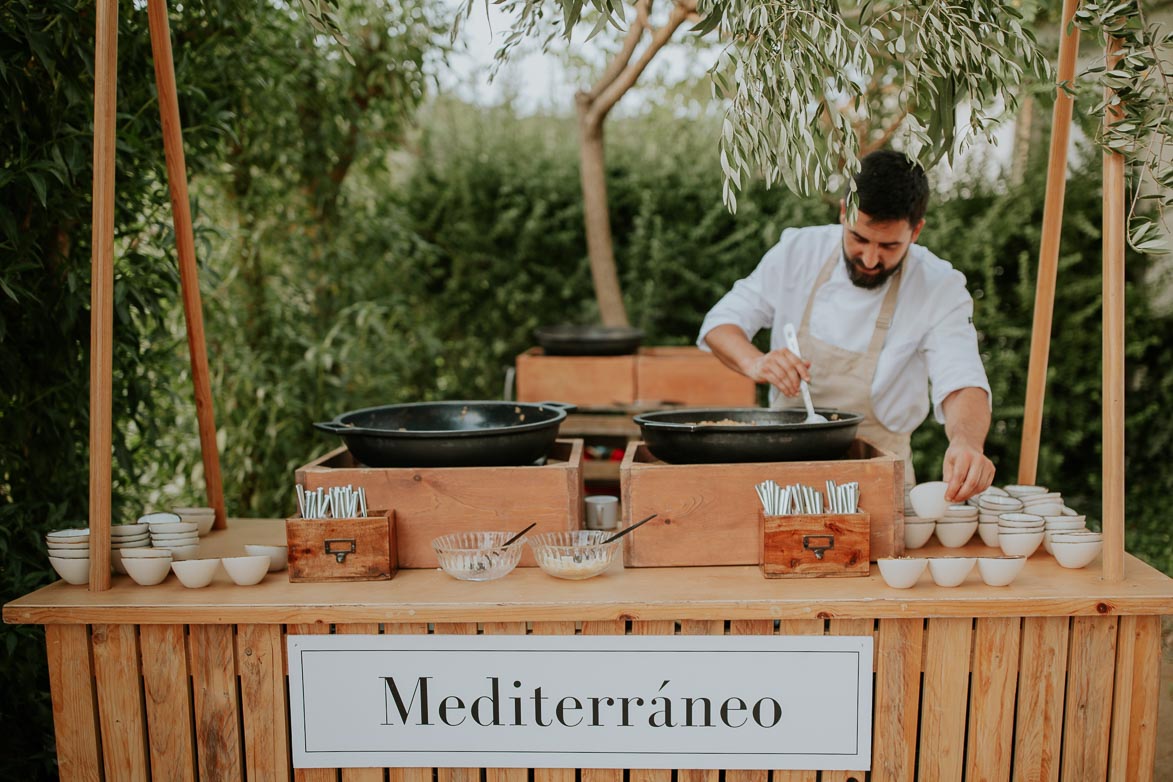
{"x":993,"y":490}
{"x":69,"y":554}
{"x":124,"y":537}
{"x":169,"y":532}
{"x":1061,"y":522}
{"x":1024,"y":490}
{"x":1076,"y":549}
{"x":957,"y":525}
{"x":201,"y":517}
{"x":917,"y":531}
{"x":1019,"y":534}
{"x":990,"y":506}
{"x":1043,"y":504}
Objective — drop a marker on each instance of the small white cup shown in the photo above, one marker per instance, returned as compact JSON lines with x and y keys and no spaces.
{"x":602,"y":512}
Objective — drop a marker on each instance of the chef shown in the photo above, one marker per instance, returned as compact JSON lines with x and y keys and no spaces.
{"x":885,"y":327}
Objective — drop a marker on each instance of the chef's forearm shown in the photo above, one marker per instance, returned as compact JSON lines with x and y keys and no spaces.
{"x":967,"y":417}
{"x":729,"y":344}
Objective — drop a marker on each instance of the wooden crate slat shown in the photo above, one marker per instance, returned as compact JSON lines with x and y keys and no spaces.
{"x":120,"y":711}
{"x":1134,"y":711}
{"x":1042,"y":677}
{"x":75,"y":719}
{"x":553,"y":774}
{"x":505,"y":774}
{"x":610,"y":627}
{"x":943,"y":704}
{"x":991,"y":700}
{"x":1088,"y":708}
{"x":360,"y":774}
{"x":213,"y":670}
{"x":167,"y":685}
{"x":651,"y":627}
{"x":263,"y":701}
{"x":407,"y":774}
{"x":457,"y":774}
{"x":898,"y":668}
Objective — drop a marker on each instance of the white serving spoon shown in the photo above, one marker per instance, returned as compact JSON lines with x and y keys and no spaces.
{"x":792,"y":342}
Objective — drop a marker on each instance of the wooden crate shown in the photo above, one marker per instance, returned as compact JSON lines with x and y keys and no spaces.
{"x":433,"y":501}
{"x":814,"y":545}
{"x":709,"y":512}
{"x":692,"y":377}
{"x":587,"y":381}
{"x":356,"y":549}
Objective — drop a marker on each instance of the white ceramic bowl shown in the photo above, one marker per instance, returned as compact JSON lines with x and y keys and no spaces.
{"x":1000,"y":571}
{"x":960,"y":512}
{"x":1057,"y":523}
{"x":162,"y":517}
{"x":1071,"y":554}
{"x":955,"y":534}
{"x":128,"y":530}
{"x":146,"y":553}
{"x":174,"y":527}
{"x":1043,"y":508}
{"x":928,"y":499}
{"x":996,"y":503}
{"x":1020,"y":520}
{"x":144,"y":540}
{"x":69,"y":553}
{"x":116,"y":561}
{"x":68,"y":535}
{"x":989,"y":534}
{"x":918,"y":531}
{"x":278,"y":555}
{"x":1024,"y":490}
{"x":147,"y":571}
{"x":1019,"y":544}
{"x":72,"y":571}
{"x":477,"y":556}
{"x":246,"y":571}
{"x":203,"y":524}
{"x":901,"y":573}
{"x":182,"y":553}
{"x":65,"y":545}
{"x":950,"y":571}
{"x":575,"y":554}
{"x":196,"y":573}
{"x":177,"y":539}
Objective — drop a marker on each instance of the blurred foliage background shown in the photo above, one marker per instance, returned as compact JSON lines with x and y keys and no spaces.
{"x":365,"y":241}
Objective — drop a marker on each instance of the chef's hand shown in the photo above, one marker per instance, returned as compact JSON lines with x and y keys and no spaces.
{"x":967,"y":471}
{"x":781,"y":369}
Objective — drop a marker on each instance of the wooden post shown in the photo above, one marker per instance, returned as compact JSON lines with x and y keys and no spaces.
{"x":102,"y":291}
{"x":1113,"y":319}
{"x":185,"y":246}
{"x":1040,"y":340}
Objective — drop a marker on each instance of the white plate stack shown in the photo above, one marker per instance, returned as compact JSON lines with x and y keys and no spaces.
{"x":169,"y":532}
{"x":69,"y":554}
{"x":126,"y":536}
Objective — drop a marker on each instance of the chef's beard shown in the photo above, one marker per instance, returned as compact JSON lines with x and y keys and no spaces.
{"x":861,"y":278}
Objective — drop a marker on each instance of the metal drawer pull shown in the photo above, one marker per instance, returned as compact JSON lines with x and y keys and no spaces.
{"x":810,"y":542}
{"x":340,"y":547}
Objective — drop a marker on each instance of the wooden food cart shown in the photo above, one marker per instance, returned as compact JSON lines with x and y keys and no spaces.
{"x":1053,"y":677}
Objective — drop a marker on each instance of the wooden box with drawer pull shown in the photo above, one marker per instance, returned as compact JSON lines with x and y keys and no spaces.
{"x":814,"y":545}
{"x":358,"y":549}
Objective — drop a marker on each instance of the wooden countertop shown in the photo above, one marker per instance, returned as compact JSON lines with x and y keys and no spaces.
{"x":527,"y":594}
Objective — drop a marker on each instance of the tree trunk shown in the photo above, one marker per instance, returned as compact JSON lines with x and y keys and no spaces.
{"x":592,"y":171}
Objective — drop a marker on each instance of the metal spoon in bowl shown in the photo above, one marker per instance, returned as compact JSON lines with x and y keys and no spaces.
{"x":626,"y":530}
{"x":489,"y":563}
{"x":792,"y":342}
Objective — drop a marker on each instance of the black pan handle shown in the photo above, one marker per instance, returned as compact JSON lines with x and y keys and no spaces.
{"x":333,"y":427}
{"x":566,"y":406}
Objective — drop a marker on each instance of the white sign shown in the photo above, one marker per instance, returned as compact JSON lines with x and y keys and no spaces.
{"x":745,"y":702}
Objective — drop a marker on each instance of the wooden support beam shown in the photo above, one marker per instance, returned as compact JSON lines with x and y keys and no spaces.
{"x":1040,"y":340}
{"x":1113,"y":320}
{"x":185,"y":246}
{"x":102,"y":291}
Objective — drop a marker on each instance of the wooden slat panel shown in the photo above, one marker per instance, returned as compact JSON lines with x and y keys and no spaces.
{"x":310,"y":774}
{"x":360,"y":774}
{"x":749,"y":627}
{"x":553,"y":774}
{"x":898,"y":664}
{"x":213,"y":671}
{"x":1088,"y":711}
{"x":1041,"y":677}
{"x":1136,"y":694}
{"x":167,"y":684}
{"x":943,"y":704}
{"x":991,"y":702}
{"x":505,"y":774}
{"x":798,"y":627}
{"x":697,"y":627}
{"x":407,"y":774}
{"x":651,"y":627}
{"x":75,"y":715}
{"x":609,"y":627}
{"x":120,"y":699}
{"x":848,"y":627}
{"x":457,"y":774}
{"x":263,"y":699}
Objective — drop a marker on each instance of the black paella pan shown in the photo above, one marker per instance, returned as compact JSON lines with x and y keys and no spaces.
{"x":450,"y":434}
{"x":571,"y":340}
{"x":746,"y":434}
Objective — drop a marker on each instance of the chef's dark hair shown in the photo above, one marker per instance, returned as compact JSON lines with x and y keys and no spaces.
{"x":892,"y":186}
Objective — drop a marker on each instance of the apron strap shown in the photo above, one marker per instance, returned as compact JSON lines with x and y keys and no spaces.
{"x":887,"y":309}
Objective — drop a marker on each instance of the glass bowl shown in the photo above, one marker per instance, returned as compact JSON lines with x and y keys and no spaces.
{"x":477,"y":556}
{"x":574,"y":554}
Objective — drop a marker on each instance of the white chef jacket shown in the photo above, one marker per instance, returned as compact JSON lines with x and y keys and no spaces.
{"x":932,"y":344}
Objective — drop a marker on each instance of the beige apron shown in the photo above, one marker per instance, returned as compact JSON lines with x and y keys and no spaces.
{"x":842,"y":379}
